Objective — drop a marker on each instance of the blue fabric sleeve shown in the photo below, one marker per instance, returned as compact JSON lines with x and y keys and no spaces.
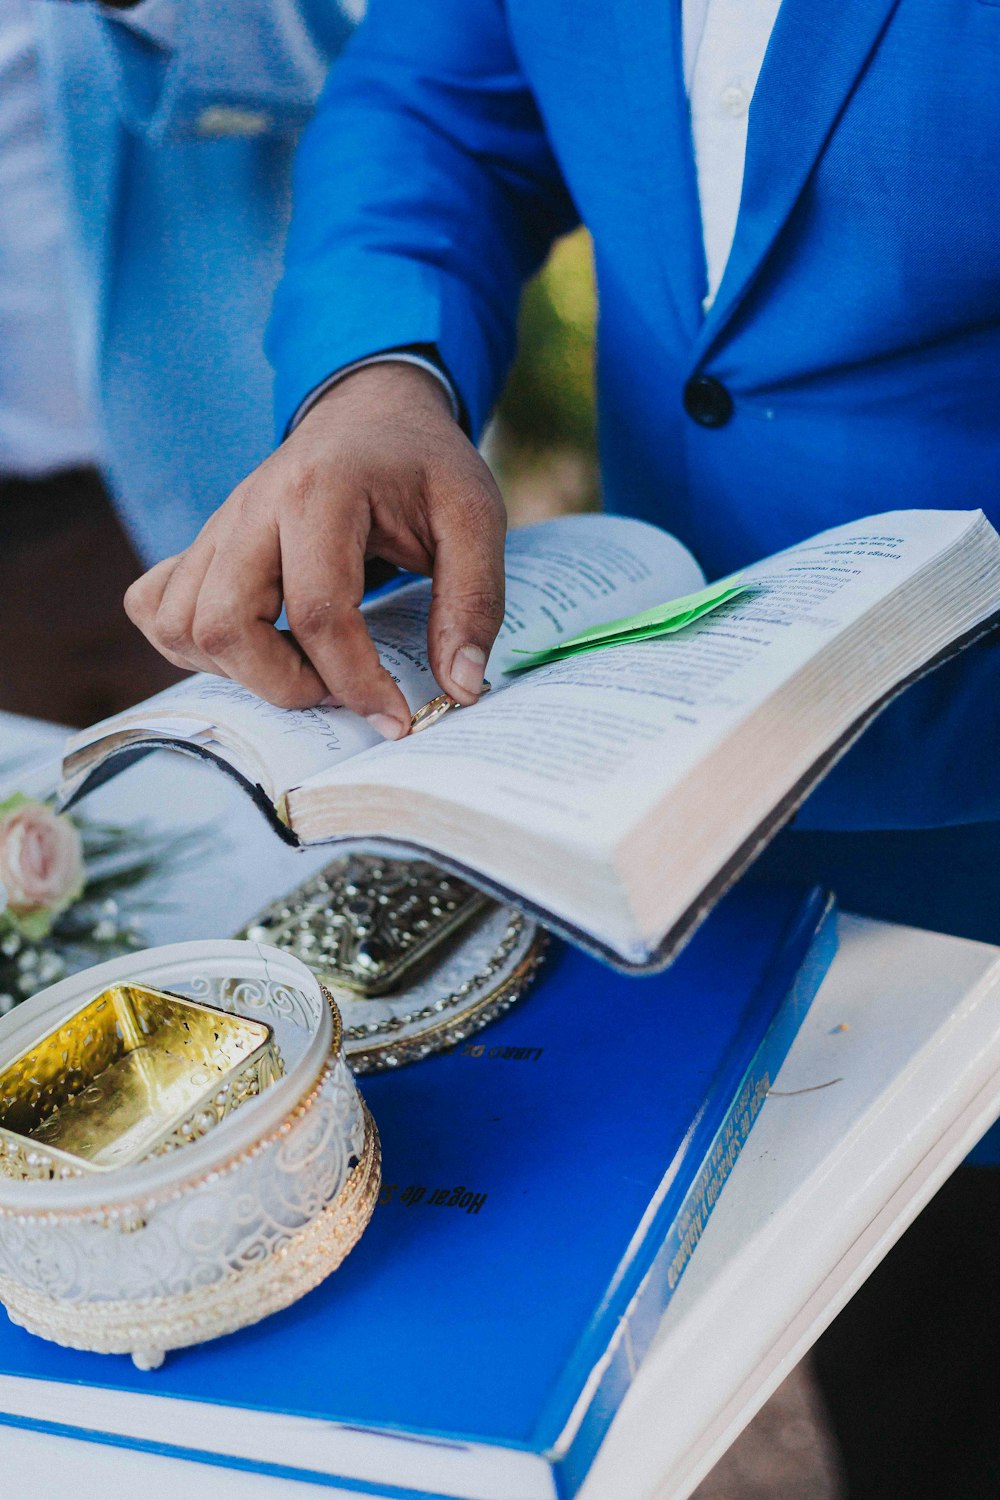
{"x":425,"y":194}
{"x":264,"y":60}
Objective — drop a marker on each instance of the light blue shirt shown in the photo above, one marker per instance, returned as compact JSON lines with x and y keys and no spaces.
{"x":43,"y":422}
{"x":177,"y":124}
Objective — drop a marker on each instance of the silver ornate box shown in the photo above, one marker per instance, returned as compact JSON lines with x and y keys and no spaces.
{"x":183,"y":1247}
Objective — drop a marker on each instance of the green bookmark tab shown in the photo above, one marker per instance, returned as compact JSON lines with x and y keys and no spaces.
{"x":662,"y":619}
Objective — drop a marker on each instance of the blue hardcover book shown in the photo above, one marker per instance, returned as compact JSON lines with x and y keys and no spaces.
{"x":544,"y":1188}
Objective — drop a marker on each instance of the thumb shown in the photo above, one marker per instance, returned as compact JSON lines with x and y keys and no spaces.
{"x":468,"y":593}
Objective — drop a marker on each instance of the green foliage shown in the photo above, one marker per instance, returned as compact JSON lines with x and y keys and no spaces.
{"x":549,"y":399}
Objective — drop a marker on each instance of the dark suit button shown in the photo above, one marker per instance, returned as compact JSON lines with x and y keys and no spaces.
{"x":707,"y":401}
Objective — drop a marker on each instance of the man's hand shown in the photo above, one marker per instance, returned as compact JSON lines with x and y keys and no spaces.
{"x":377,"y":468}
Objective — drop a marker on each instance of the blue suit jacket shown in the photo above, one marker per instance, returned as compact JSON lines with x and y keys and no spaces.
{"x":179,"y":165}
{"x":857,"y":327}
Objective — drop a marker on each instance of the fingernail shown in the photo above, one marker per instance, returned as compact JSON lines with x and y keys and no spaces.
{"x":468,"y":667}
{"x":388,"y":727}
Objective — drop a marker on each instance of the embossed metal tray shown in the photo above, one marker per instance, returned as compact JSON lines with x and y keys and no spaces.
{"x":416,"y":959}
{"x":134,"y":1072}
{"x":366,"y":924}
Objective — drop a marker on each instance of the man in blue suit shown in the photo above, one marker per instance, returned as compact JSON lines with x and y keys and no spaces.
{"x":844,"y":360}
{"x":798,"y":263}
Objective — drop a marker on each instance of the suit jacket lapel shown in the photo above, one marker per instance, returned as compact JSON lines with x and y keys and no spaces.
{"x":817,"y":51}
{"x":656,"y":103}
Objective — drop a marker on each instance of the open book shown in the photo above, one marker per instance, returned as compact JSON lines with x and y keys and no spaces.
{"x":615,"y":794}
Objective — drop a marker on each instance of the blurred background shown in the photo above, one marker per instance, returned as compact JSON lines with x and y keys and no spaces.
{"x":543,"y":443}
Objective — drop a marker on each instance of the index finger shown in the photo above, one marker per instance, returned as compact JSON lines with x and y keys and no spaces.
{"x":234,"y":625}
{"x":323,"y":571}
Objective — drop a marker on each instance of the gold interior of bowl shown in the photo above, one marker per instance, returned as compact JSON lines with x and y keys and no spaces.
{"x":134,"y":1072}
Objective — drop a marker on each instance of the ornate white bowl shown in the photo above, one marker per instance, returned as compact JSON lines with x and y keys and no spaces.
{"x":181,"y":1248}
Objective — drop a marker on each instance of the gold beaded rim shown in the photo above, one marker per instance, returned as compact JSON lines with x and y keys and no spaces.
{"x":363,"y":1034}
{"x":454,"y":1027}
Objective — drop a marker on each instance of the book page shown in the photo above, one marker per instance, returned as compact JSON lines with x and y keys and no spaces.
{"x":578,"y":749}
{"x":569,"y":575}
{"x":562,"y":576}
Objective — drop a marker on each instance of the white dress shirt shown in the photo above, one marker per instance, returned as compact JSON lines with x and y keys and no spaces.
{"x":156,"y":20}
{"x":724,"y":46}
{"x":43,"y":423}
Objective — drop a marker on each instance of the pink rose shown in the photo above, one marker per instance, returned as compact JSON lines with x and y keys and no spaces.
{"x":41,"y":859}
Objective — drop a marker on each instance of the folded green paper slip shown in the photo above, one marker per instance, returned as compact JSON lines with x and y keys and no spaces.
{"x":662,"y":619}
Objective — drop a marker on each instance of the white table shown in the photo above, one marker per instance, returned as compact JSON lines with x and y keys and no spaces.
{"x":908,"y":1022}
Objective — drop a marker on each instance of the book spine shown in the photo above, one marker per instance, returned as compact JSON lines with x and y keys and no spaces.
{"x":116,"y":761}
{"x":640,"y":1320}
{"x":739,"y":1120}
